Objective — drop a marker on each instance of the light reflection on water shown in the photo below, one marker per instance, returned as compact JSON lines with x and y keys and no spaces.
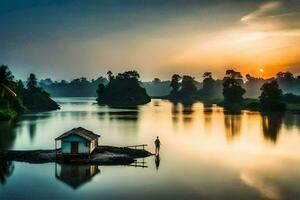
{"x":205,"y":153}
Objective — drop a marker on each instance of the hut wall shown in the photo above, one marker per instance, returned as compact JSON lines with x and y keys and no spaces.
{"x":83,"y":145}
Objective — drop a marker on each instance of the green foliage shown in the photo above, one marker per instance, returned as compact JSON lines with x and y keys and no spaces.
{"x":10,"y":104}
{"x":123,"y":90}
{"x":175,"y":85}
{"x":79,"y":87}
{"x":32,"y":82}
{"x":188,"y":89}
{"x":271,"y":98}
{"x":157,"y":88}
{"x":35,"y":98}
{"x":6,"y":82}
{"x":183,"y":89}
{"x":232,"y":90}
{"x":291,"y":98}
{"x":251,"y":104}
{"x":212,"y":89}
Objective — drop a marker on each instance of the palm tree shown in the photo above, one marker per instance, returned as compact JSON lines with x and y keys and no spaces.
{"x":6,"y":81}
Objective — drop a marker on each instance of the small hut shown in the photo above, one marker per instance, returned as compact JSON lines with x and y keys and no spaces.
{"x":77,"y":141}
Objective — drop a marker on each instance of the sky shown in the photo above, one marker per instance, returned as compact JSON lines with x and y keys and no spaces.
{"x":65,"y":39}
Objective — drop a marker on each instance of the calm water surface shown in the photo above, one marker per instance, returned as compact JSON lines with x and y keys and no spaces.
{"x":205,"y":154}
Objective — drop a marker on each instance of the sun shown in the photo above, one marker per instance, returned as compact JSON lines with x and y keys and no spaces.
{"x":261,"y":70}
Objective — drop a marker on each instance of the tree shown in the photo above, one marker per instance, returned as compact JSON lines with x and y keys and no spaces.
{"x":175,"y":85}
{"x":123,"y":90}
{"x":32,"y":82}
{"x":6,"y":81}
{"x":208,"y":90}
{"x":232,"y":90}
{"x":129,"y":75}
{"x":110,"y":75}
{"x":287,"y":82}
{"x":207,"y":75}
{"x":156,"y":80}
{"x":100,"y":90}
{"x":188,"y":87}
{"x":10,"y":104}
{"x":271,"y":98}
{"x":20,"y":88}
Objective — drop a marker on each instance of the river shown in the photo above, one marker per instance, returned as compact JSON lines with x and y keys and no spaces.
{"x":205,"y":153}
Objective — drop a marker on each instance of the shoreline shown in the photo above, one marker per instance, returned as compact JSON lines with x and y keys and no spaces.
{"x":102,"y":155}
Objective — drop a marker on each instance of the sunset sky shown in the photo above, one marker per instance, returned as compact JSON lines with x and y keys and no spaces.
{"x":64,"y":39}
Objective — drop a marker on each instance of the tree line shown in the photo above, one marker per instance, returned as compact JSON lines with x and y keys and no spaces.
{"x":15,"y":98}
{"x":231,"y":90}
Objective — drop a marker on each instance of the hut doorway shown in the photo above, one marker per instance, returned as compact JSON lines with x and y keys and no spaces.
{"x":74,"y":147}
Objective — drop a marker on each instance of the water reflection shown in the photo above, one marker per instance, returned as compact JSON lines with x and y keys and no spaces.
{"x":195,"y":117}
{"x":233,"y":124}
{"x":75,"y":176}
{"x":291,"y":120}
{"x":7,"y":134}
{"x":208,"y":113}
{"x":255,"y":169}
{"x":271,"y":124}
{"x":187,"y":109}
{"x":124,"y":115}
{"x":175,"y":112}
{"x":157,"y":161}
{"x":6,"y":170}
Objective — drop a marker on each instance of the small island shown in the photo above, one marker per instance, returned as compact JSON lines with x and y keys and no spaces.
{"x":78,"y":146}
{"x":123,"y":90}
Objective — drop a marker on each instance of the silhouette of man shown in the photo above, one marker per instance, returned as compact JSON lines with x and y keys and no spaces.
{"x":157,"y":146}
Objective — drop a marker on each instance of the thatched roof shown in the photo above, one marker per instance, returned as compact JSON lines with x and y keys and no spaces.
{"x":86,"y":134}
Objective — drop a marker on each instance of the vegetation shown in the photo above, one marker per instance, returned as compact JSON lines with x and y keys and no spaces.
{"x":183,"y":89}
{"x":79,"y":87}
{"x":211,"y":90}
{"x":123,"y":90}
{"x":15,"y":98}
{"x":35,"y":98}
{"x":10,"y":103}
{"x":233,"y":93}
{"x":157,"y":88}
{"x":232,"y":90}
{"x":271,"y":98}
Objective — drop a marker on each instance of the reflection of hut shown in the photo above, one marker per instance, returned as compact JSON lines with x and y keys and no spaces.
{"x":75,"y":175}
{"x":78,"y":141}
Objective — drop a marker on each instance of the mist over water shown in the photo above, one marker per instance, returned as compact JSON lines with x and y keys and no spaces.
{"x":205,"y":153}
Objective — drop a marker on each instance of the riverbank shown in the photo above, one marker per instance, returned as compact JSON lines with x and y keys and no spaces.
{"x":102,"y":155}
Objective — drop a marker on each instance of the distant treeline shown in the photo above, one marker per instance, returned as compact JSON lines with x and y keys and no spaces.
{"x":234,"y":93}
{"x":213,"y":88}
{"x":210,"y":87}
{"x":79,"y":87}
{"x":82,"y":87}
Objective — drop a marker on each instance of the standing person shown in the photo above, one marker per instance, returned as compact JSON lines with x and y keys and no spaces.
{"x":157,"y":146}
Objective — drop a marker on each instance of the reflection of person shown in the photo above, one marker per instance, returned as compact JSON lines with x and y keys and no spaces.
{"x":157,"y":161}
{"x":157,"y":146}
